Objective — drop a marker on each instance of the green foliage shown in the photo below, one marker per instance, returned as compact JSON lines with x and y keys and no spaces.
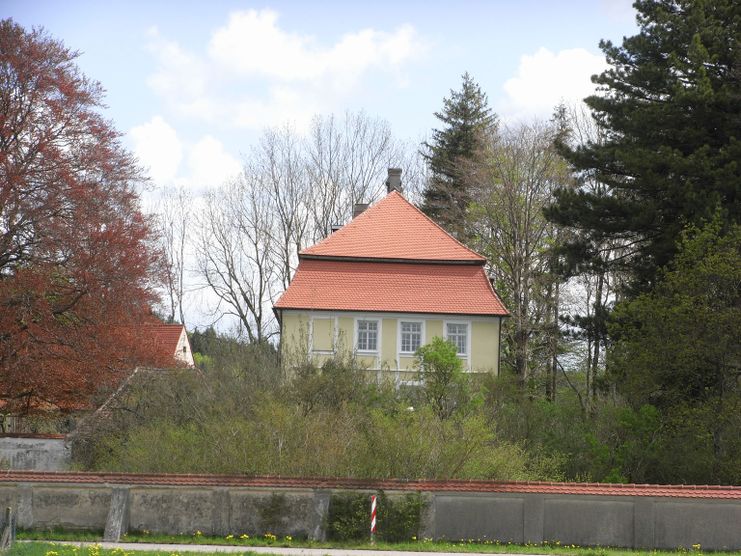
{"x":680,"y":342}
{"x":672,"y":123}
{"x":397,"y":519}
{"x":467,"y":119}
{"x":441,"y":372}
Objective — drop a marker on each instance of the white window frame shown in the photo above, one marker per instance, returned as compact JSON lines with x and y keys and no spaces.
{"x":399,"y":335}
{"x":467,"y":355}
{"x":358,"y":320}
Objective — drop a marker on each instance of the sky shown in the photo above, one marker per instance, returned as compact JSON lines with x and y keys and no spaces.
{"x":192,"y":85}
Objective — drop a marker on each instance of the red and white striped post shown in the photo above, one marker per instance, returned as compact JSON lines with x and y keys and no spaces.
{"x":373,"y":520}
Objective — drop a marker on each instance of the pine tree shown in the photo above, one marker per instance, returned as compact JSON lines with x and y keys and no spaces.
{"x":671,"y":106}
{"x":467,"y":119}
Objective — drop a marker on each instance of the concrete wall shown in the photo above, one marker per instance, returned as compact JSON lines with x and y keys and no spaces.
{"x":586,"y":520}
{"x":38,"y":454}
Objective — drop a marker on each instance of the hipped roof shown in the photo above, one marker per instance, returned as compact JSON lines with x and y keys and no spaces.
{"x":393,"y":229}
{"x":391,"y":287}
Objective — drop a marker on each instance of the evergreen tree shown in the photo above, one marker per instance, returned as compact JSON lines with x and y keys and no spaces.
{"x":467,"y":120}
{"x":671,"y":106}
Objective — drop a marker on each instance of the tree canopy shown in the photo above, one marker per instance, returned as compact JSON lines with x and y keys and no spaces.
{"x":670,"y":106}
{"x":467,"y":119}
{"x":76,"y":270}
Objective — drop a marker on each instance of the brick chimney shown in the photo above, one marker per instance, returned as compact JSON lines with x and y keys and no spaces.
{"x":359,"y":208}
{"x":393,"y":182}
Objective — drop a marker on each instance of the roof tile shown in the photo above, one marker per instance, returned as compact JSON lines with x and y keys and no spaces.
{"x":391,"y":287}
{"x":393,"y":228}
{"x":240,"y":481}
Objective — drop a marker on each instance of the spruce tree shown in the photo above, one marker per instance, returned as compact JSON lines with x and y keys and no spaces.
{"x":467,"y":119}
{"x":671,"y":104}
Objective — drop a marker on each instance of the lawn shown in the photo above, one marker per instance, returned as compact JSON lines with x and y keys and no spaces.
{"x":246,"y":541}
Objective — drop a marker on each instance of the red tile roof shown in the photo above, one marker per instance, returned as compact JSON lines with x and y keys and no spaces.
{"x":391,"y":287}
{"x":393,"y":228}
{"x":165,"y":336}
{"x":579,"y":489}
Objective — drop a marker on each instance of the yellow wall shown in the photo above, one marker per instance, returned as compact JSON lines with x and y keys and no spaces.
{"x":322,"y":334}
{"x":335,"y":332}
{"x":485,"y":346}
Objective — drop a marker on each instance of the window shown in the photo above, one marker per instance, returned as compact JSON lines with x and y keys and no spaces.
{"x":367,"y":335}
{"x":457,"y":333}
{"x":411,"y":336}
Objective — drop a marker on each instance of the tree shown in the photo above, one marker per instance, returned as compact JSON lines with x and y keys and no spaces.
{"x":347,"y":162}
{"x":467,"y":120}
{"x":680,"y":342}
{"x":441,"y":372}
{"x":76,"y":264}
{"x":235,"y":254}
{"x":511,"y":180}
{"x":175,"y":212}
{"x":670,"y":106}
{"x":677,"y":349}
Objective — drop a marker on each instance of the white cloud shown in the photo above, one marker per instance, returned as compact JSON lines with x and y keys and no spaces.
{"x":254,"y":73}
{"x":545,"y":78}
{"x":158,"y":148}
{"x":210,"y":164}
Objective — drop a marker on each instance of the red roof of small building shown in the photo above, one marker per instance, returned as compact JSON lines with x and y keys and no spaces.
{"x":335,"y":285}
{"x":393,"y":229}
{"x":166,"y":337}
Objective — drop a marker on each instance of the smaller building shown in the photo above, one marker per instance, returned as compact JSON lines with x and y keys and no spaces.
{"x":385,"y":284}
{"x":172,"y":341}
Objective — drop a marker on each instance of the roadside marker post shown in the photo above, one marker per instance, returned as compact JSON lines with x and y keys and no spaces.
{"x":373,"y":520}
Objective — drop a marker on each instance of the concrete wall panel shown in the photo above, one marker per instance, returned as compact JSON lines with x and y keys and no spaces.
{"x":175,"y":510}
{"x":35,"y":454}
{"x":714,"y":526}
{"x":478,"y":517}
{"x":70,"y":507}
{"x":586,"y":521}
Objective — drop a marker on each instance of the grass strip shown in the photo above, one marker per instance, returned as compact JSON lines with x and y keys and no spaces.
{"x":555,"y":548}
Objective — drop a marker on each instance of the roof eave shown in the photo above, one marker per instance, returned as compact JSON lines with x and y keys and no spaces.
{"x":471,"y":262}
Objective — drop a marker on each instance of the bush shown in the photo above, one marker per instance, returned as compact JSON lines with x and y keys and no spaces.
{"x":397,"y":519}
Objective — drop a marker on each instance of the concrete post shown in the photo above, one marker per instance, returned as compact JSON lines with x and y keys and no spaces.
{"x":222,"y":511}
{"x":117,"y":522}
{"x":320,"y":515}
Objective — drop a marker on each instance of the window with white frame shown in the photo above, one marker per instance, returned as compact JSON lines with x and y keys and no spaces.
{"x":411,"y":336}
{"x":457,"y":333}
{"x":367,"y":335}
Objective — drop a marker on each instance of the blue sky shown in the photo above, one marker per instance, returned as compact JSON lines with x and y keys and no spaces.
{"x":192,"y":84}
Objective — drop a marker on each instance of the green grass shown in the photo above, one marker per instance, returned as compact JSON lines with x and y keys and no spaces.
{"x":51,"y":549}
{"x":423,"y":545}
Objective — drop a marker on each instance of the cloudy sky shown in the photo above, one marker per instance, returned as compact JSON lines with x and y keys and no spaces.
{"x":192,"y":84}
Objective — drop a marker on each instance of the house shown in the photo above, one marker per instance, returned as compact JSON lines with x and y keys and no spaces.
{"x":386,"y":283}
{"x":172,"y":341}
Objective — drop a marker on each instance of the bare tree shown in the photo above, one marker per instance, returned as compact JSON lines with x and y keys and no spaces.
{"x":511,"y":181}
{"x":174,"y":223}
{"x":235,"y":254}
{"x":279,"y":168}
{"x":346,"y":164}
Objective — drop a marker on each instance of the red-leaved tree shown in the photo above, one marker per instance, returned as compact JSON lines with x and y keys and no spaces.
{"x":77,"y":272}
